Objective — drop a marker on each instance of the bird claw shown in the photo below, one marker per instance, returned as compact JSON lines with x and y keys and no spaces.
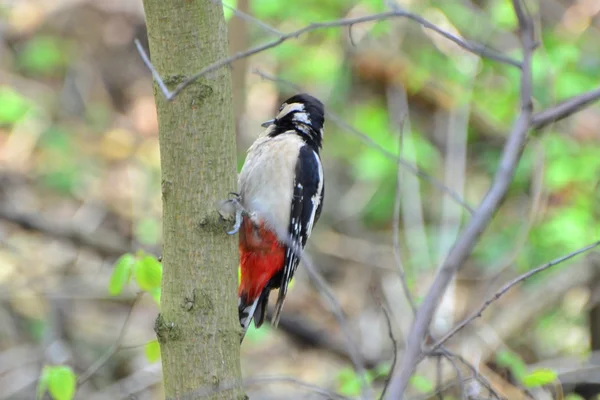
{"x":238,"y":223}
{"x":239,"y":212}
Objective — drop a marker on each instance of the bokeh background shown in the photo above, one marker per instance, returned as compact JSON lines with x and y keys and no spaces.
{"x":80,"y":186}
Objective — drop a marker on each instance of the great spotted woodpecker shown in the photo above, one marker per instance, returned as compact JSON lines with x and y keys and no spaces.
{"x":281,"y":190}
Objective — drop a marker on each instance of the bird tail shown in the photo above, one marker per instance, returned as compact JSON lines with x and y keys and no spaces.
{"x":253,"y":310}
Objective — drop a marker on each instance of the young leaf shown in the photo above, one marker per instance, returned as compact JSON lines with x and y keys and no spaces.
{"x":152,"y":351}
{"x":539,"y":377}
{"x":121,"y":274}
{"x":61,"y":382}
{"x":148,"y":273}
{"x":349,"y":383}
{"x":512,"y":361}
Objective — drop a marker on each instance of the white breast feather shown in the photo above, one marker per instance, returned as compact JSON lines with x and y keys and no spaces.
{"x":266,"y":179}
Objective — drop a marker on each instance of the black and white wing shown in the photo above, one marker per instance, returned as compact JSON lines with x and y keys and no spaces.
{"x":307,"y":202}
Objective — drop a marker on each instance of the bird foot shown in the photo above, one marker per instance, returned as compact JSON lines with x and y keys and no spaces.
{"x":232,"y":209}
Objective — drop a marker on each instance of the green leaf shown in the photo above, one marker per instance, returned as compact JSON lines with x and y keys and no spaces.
{"x":61,"y":382}
{"x":382,"y":370}
{"x":121,"y":274}
{"x":148,"y":273}
{"x":13,"y":106}
{"x":513,"y":362}
{"x":421,"y":384}
{"x":539,"y":377}
{"x":152,"y":351}
{"x":349,"y":383}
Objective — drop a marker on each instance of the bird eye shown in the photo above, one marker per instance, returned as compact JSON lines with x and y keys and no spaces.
{"x":281,"y":108}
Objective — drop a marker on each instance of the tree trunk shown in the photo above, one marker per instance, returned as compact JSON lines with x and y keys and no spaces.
{"x":197,"y":328}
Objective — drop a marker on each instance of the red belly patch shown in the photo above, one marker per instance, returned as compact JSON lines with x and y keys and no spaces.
{"x":261,"y":257}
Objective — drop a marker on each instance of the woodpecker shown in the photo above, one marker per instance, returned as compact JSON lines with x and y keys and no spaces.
{"x":281,"y":189}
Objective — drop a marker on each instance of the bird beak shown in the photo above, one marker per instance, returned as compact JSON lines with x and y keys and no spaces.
{"x":268,"y":123}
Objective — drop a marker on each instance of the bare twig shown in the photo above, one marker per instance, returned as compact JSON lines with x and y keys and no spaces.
{"x":476,"y":375}
{"x":468,"y":237}
{"x":338,"y":312}
{"x":438,"y":379}
{"x":565,"y":109}
{"x":409,"y":166}
{"x":469,"y":46}
{"x":398,"y":110}
{"x":536,"y":194}
{"x":161,"y":84}
{"x":390,"y":332}
{"x":116,"y":346}
{"x":506,"y":288}
{"x":250,"y":18}
{"x":459,"y":377}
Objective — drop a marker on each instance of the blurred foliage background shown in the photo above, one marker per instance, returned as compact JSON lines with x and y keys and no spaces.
{"x":80,"y":186}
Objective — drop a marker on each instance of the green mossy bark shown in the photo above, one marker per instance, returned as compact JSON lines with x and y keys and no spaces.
{"x":197,"y":328}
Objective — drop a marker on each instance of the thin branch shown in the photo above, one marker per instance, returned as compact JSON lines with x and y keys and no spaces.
{"x":398,"y":111}
{"x":163,"y":88}
{"x":372,"y":144}
{"x":390,"y":331}
{"x":488,"y":207}
{"x":506,"y":288}
{"x":565,"y":109}
{"x":476,"y":375}
{"x":438,"y":379}
{"x":459,"y":377}
{"x":469,"y":46}
{"x":112,"y":350}
{"x":338,"y":312}
{"x":250,"y":18}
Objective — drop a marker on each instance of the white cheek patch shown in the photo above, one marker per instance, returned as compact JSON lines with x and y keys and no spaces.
{"x":302,"y":117}
{"x":288,"y":108}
